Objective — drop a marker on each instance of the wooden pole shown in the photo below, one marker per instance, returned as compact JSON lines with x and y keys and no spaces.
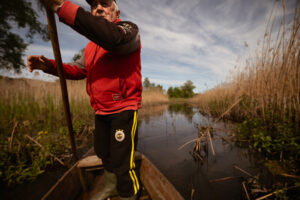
{"x":63,"y":84}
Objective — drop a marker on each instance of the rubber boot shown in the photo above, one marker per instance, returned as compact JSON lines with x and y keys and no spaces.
{"x":128,"y":198}
{"x":109,"y":189}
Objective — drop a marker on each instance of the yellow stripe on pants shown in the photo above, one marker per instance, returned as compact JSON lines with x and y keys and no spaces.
{"x":132,"y":164}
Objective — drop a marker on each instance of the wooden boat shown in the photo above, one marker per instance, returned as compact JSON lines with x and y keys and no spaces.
{"x":85,"y":178}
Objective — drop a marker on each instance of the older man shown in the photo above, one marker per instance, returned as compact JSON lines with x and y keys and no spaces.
{"x":111,"y":63}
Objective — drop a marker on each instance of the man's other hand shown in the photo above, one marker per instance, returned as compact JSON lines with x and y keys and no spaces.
{"x":38,"y":62}
{"x":52,"y":4}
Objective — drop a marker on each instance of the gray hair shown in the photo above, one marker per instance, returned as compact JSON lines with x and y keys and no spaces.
{"x":116,"y":6}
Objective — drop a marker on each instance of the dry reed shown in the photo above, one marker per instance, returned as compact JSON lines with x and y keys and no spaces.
{"x":153,"y":96}
{"x":268,"y":84}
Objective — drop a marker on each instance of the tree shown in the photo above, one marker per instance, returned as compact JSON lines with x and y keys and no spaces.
{"x":78,"y":55}
{"x":170,"y":92}
{"x":17,"y":14}
{"x":174,"y":92}
{"x":148,"y":84}
{"x":187,"y":89}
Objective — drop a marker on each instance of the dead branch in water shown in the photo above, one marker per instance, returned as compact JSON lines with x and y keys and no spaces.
{"x":245,"y":172}
{"x":192,"y":193}
{"x":41,"y":146}
{"x":196,"y":155}
{"x":290,"y":176}
{"x":212,"y":147}
{"x":229,"y":109}
{"x":271,"y":194}
{"x":245,"y":189}
{"x":222,"y":179}
{"x":187,"y":143}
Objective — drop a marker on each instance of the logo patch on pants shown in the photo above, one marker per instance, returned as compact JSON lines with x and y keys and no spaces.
{"x":119,"y":135}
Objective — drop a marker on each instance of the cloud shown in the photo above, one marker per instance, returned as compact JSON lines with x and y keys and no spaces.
{"x":191,"y":40}
{"x":47,"y":51}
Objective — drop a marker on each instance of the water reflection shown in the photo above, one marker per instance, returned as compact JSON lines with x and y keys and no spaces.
{"x":160,"y":136}
{"x":185,"y":109}
{"x":151,"y":111}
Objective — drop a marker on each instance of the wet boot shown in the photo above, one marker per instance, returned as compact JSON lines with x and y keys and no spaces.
{"x":128,"y":198}
{"x":109,"y":189}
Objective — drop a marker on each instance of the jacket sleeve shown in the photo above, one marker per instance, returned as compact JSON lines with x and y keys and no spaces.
{"x":120,"y":37}
{"x":72,"y":71}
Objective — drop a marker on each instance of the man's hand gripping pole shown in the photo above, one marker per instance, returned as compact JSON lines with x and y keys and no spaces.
{"x":56,"y":50}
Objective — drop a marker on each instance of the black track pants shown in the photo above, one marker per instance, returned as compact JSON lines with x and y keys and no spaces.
{"x":115,"y":140}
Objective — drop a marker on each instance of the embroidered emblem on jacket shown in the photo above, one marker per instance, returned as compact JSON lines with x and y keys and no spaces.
{"x":126,"y":27}
{"x":117,"y":97}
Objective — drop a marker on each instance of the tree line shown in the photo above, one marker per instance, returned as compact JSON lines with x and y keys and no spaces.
{"x":184,"y":91}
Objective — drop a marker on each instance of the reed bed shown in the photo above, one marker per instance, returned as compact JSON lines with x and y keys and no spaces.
{"x":264,"y":93}
{"x":154,"y":96}
{"x":34,"y":133}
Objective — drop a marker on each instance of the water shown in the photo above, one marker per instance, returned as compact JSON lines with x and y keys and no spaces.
{"x":163,"y":132}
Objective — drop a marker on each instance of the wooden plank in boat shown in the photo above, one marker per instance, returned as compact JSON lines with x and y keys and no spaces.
{"x":69,"y":185}
{"x":157,"y":185}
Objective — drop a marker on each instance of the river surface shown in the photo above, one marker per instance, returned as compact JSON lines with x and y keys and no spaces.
{"x":161,"y":131}
{"x":165,"y":130}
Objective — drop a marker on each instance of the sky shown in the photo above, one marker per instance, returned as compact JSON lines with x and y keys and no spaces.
{"x":197,"y":40}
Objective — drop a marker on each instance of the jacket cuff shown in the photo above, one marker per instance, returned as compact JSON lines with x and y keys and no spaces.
{"x":52,"y":70}
{"x":67,"y":13}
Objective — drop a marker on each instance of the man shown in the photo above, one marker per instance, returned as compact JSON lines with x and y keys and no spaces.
{"x":111,"y":63}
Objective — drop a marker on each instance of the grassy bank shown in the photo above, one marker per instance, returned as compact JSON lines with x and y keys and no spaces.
{"x":34,"y":134}
{"x":264,"y":94}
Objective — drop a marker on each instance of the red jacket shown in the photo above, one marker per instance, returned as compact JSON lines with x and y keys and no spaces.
{"x":111,"y":61}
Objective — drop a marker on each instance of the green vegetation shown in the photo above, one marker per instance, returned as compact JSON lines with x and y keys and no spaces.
{"x":33,"y":130}
{"x":12,"y":46}
{"x":147,"y":85}
{"x":34,"y":135}
{"x":264,"y":96}
{"x":185,"y":91}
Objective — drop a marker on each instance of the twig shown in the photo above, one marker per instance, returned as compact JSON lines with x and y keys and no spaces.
{"x":192,"y":193}
{"x":235,"y":103}
{"x":12,"y":136}
{"x":197,"y":146}
{"x":290,"y":176}
{"x":242,"y":170}
{"x":222,"y":179}
{"x":245,"y":189}
{"x":226,"y":140}
{"x":187,"y":143}
{"x":195,"y":154}
{"x":268,"y":195}
{"x":212,"y":147}
{"x":37,"y":143}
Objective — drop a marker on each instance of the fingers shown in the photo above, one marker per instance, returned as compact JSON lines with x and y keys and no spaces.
{"x":47,"y":63}
{"x":31,"y":60}
{"x":52,"y":4}
{"x":37,"y":62}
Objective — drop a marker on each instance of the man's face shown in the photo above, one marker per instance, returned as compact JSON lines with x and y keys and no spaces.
{"x":105,"y":9}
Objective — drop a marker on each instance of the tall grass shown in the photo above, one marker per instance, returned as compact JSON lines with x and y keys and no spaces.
{"x":265,"y":92}
{"x":34,"y":108}
{"x":153,"y":96}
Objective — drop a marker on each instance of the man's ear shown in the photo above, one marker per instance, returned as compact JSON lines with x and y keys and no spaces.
{"x":118,"y":14}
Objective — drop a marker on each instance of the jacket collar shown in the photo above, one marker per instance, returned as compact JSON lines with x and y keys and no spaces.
{"x":117,"y":20}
